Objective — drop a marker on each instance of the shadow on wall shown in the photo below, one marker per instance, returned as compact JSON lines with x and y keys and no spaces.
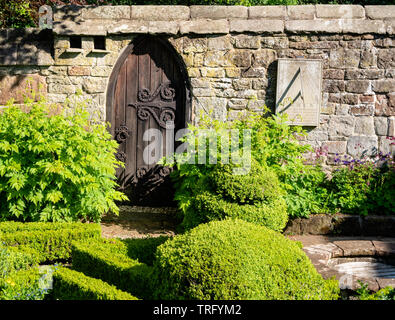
{"x":25,"y":47}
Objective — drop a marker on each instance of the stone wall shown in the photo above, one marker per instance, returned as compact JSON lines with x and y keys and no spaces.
{"x":230,"y":54}
{"x":25,"y":56}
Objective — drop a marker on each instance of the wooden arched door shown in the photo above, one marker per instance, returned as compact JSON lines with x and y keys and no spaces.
{"x":148,"y":88}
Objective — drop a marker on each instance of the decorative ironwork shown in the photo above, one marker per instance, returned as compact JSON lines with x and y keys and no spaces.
{"x":162,"y":110}
{"x":121,"y":156}
{"x":141,"y":172}
{"x":121,"y":133}
{"x":166,"y":93}
{"x":164,"y":171}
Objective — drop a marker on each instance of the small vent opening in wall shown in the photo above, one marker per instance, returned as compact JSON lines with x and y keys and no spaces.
{"x":99,"y":43}
{"x":75,"y":42}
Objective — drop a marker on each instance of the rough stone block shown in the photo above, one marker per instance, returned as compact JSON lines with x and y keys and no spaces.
{"x":357,"y":86}
{"x":344,"y":58}
{"x":391,"y":126}
{"x":363,"y":26}
{"x":380,"y":12}
{"x":219,"y":12}
{"x":212,"y":72}
{"x":204,"y":26}
{"x":264,"y":57}
{"x":106,"y":12}
{"x":303,"y":12}
{"x":386,"y":58}
{"x":220,"y":43}
{"x":358,"y":146}
{"x":381,"y":126}
{"x":127,"y":26}
{"x":61,"y":88}
{"x":94,"y":85}
{"x":239,"y":58}
{"x":364,"y":74}
{"x":269,"y":12}
{"x":247,"y":42}
{"x":216,"y":105}
{"x":333,"y":86}
{"x":164,"y":27}
{"x":78,"y":71}
{"x":385,"y":145}
{"x":257,"y":26}
{"x":364,"y":125}
{"x":67,"y":12}
{"x":89,"y":27}
{"x":342,"y":126}
{"x":334,"y":147}
{"x":101,"y":71}
{"x":161,"y":13}
{"x":383,"y":86}
{"x":340,"y":11}
{"x":314,"y":26}
{"x":16,"y":86}
{"x":362,"y":110}
{"x":8,"y":54}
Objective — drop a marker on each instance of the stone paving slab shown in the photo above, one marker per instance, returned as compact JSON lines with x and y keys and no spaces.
{"x":321,"y":249}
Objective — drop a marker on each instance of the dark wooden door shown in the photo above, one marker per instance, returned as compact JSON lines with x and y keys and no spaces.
{"x":148,"y":91}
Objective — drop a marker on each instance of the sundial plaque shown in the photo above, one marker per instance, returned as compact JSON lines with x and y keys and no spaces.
{"x":299,"y":83}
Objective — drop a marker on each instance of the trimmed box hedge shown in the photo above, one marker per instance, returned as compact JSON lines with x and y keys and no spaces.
{"x":52,"y":241}
{"x":109,"y":261}
{"x":73,"y":285}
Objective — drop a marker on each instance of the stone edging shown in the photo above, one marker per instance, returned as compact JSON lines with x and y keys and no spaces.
{"x":321,"y":254}
{"x":341,"y":224}
{"x":103,"y":20}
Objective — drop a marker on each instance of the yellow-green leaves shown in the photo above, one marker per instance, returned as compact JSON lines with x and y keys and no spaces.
{"x":55,"y":164}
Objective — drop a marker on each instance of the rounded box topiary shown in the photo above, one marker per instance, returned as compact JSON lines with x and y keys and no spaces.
{"x":254,"y":197}
{"x":235,"y":259}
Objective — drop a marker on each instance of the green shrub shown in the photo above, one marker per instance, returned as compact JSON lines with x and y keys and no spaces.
{"x":363,"y":293}
{"x":73,"y":285}
{"x":55,"y":163}
{"x":14,"y":258}
{"x":22,"y":285}
{"x":51,"y":241}
{"x":108,"y":260}
{"x":364,"y":186}
{"x":235,"y":259}
{"x":208,"y":207}
{"x":275,"y":151}
{"x":255,"y":197}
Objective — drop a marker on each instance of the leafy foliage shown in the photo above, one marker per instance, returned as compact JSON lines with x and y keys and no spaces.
{"x":12,"y":259}
{"x":212,"y":191}
{"x":22,"y":285}
{"x":387,"y":293}
{"x":363,"y":186}
{"x":55,"y":163}
{"x":235,"y":259}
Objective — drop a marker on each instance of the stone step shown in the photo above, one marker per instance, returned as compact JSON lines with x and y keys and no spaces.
{"x":140,"y":222}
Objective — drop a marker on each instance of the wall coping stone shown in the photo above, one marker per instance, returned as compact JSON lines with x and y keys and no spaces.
{"x":102,"y":20}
